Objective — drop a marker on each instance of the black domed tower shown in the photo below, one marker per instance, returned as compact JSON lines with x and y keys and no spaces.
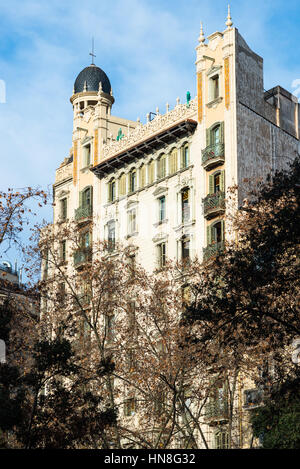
{"x":91,"y":87}
{"x":89,"y":79}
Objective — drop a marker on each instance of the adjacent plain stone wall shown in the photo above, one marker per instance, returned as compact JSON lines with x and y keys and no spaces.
{"x":263,"y":148}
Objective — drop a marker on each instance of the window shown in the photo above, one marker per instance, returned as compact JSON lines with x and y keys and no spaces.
{"x":86,"y":155}
{"x":86,"y":197}
{"x":63,"y":251}
{"x":217,"y":182}
{"x":217,"y":406}
{"x":185,"y":156}
{"x":63,"y":209}
{"x":161,"y":254}
{"x":111,"y":236}
{"x":185,"y":249}
{"x":162,"y":167}
{"x":214,"y":87}
{"x":252,"y":397}
{"x":142,"y":176}
{"x":122,"y":185}
{"x":162,"y":208}
{"x":110,"y":327}
{"x":85,"y":203}
{"x":112,"y":190}
{"x":221,"y":440}
{"x":173,"y":161}
{"x":132,"y":181}
{"x":61,"y":293}
{"x":216,"y":135}
{"x":185,"y":205}
{"x":132,"y":225}
{"x":151,"y":175}
{"x":215,"y":233}
{"x":86,"y":239}
{"x":130,"y":407}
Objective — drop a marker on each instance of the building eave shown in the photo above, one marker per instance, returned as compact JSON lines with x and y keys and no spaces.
{"x":142,"y":148}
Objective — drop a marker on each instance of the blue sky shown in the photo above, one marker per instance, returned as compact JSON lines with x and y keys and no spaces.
{"x":147,"y":48}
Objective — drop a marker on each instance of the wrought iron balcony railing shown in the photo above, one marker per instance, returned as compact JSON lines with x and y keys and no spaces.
{"x":83,"y":212}
{"x":216,"y":410}
{"x":213,"y":250}
{"x":213,"y":155}
{"x":214,"y":204}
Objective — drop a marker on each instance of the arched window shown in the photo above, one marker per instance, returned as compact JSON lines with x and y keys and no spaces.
{"x":86,"y":197}
{"x":173,"y":165}
{"x":185,"y":205}
{"x":216,"y":135}
{"x":217,"y":182}
{"x":112,"y":190}
{"x":162,"y":166}
{"x":122,"y":184}
{"x":221,"y":439}
{"x":185,"y":159}
{"x":215,"y":233}
{"x":111,"y":235}
{"x":132,"y":181}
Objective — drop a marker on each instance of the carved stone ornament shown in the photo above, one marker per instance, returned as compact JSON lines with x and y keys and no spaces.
{"x":160,"y":190}
{"x":160,"y":237}
{"x":131,"y":203}
{"x":141,"y":132}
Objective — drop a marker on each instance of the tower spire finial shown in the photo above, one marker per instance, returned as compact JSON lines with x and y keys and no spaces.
{"x":92,"y":53}
{"x":201,"y":38}
{"x":229,"y":22}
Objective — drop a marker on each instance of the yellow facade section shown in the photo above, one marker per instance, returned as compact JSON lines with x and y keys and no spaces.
{"x":200,"y":97}
{"x":96,"y":148}
{"x":75,"y":163}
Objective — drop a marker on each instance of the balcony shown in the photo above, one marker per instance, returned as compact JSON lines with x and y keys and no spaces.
{"x":83,"y":213}
{"x":216,"y":411}
{"x":253,"y":398}
{"x":82,"y":256}
{"x":214,"y":205}
{"x":213,"y":155}
{"x":213,"y":250}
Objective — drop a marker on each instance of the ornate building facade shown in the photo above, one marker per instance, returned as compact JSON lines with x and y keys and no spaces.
{"x":162,"y":187}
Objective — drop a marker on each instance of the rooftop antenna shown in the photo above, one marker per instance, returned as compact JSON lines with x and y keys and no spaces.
{"x":92,"y":53}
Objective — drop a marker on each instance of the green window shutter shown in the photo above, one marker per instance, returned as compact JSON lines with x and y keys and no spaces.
{"x":208,"y":137}
{"x":222,"y":181}
{"x":209,"y":235}
{"x":80,"y":199}
{"x":222,"y":229}
{"x":211,"y":184}
{"x":222,"y":132}
{"x":91,"y":188}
